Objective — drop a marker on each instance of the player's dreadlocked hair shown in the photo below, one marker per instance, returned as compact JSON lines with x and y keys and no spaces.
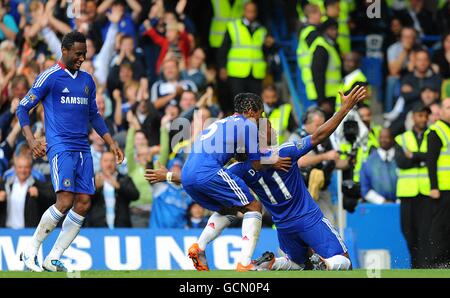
{"x":245,"y":102}
{"x":71,"y":38}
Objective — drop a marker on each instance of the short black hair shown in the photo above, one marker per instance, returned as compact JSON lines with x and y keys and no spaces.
{"x":330,"y":2}
{"x":363,"y":106}
{"x":330,"y":22}
{"x":119,"y":2}
{"x":418,"y":49}
{"x":246,"y":102}
{"x":71,"y":38}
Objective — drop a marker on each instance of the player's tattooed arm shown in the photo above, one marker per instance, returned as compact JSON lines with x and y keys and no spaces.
{"x":162,"y":174}
{"x":357,"y":94}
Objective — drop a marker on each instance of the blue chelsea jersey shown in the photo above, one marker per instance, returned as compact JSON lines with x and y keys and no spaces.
{"x":284,"y":194}
{"x":69,"y":108}
{"x":217,"y":145}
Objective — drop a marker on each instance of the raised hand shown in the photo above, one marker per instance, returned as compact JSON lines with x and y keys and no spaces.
{"x":181,"y":5}
{"x":115,"y":15}
{"x":357,"y":94}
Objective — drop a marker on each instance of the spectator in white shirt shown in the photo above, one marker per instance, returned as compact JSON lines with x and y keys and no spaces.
{"x":23,"y":199}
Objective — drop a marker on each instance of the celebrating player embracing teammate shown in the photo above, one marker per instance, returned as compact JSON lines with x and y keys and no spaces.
{"x":300,"y":223}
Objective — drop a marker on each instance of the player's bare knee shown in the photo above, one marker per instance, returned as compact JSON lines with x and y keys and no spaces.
{"x":254,"y":206}
{"x":64,"y":201}
{"x":82,"y":205}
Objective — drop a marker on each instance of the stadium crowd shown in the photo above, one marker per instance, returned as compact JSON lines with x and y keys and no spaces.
{"x":158,"y":61}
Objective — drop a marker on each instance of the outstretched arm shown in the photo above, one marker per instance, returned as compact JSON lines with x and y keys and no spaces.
{"x":325,"y":130}
{"x":162,"y":174}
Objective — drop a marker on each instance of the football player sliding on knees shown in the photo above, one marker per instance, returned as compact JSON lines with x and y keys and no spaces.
{"x":204,"y":178}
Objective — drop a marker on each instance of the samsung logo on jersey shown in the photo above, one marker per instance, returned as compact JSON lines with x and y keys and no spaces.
{"x":74,"y":100}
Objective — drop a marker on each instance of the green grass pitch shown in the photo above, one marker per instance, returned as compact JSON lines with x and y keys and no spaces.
{"x":360,"y":273}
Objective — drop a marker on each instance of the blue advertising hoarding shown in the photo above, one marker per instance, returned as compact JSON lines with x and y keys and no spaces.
{"x":133,"y":249}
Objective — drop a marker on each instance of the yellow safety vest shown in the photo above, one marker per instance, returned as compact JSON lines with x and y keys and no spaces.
{"x":246,"y":54}
{"x":443,"y":162}
{"x":362,"y":153}
{"x":333,"y":74}
{"x":412,"y":181}
{"x":304,"y":54}
{"x":374,"y":136}
{"x":350,"y":80}
{"x":279,"y":118}
{"x":303,"y":48}
{"x":343,"y":39}
{"x":223,"y":13}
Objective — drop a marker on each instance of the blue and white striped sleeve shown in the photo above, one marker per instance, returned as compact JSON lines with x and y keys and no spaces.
{"x":39,"y":90}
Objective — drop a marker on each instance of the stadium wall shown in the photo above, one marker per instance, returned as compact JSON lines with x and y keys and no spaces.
{"x":376,"y":227}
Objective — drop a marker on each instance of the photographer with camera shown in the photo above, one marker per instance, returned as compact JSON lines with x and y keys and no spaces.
{"x":317,"y":166}
{"x":360,"y":139}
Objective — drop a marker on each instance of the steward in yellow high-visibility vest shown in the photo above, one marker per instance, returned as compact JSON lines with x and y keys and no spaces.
{"x":413,"y":187}
{"x":442,"y":130}
{"x":308,"y":33}
{"x":412,"y":180}
{"x":241,"y":59}
{"x":324,"y":66}
{"x":223,"y":13}
{"x":438,"y":163}
{"x":340,"y":11}
{"x":354,"y":76}
{"x":246,"y":56}
{"x":280,"y":114}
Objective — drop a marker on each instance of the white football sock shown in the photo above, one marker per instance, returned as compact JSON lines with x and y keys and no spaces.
{"x":70,"y":229}
{"x":215,"y":226}
{"x":338,"y":262}
{"x":251,"y":227}
{"x":284,"y":263}
{"x":49,"y":221}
